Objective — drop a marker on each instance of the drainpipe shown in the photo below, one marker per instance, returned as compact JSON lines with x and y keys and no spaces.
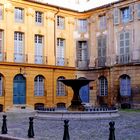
{"x":55,"y":32}
{"x":54,"y":50}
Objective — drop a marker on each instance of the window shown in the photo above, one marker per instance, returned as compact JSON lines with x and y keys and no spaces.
{"x":125,"y":14}
{"x":60,"y":22}
{"x":125,"y":85}
{"x":103,"y":86}
{"x":102,"y":22}
{"x":124,"y":38}
{"x":38,"y":17}
{"x":1,"y":12}
{"x":101,"y":50}
{"x":39,"y":85}
{"x":60,"y":53}
{"x":1,"y":85}
{"x":38,"y":49}
{"x":60,"y":87}
{"x":1,"y":41}
{"x":82,"y":51}
{"x":82,"y":25}
{"x":18,"y":47}
{"x":138,"y":11}
{"x":19,"y":14}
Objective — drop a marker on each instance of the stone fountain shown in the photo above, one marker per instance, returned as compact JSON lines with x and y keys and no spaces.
{"x":76,"y":84}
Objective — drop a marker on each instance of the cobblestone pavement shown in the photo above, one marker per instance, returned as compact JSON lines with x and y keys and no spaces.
{"x":127,"y":127}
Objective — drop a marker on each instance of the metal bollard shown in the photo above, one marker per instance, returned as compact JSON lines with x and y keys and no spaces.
{"x":31,"y":128}
{"x":112,"y":129}
{"x":4,"y":125}
{"x":66,"y":130}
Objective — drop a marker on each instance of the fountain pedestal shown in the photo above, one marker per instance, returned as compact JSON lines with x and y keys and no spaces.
{"x":76,"y":84}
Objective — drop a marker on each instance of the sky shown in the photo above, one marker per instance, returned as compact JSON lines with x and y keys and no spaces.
{"x":82,"y":6}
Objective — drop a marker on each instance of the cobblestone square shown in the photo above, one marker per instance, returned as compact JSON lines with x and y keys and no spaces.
{"x":127,"y":127}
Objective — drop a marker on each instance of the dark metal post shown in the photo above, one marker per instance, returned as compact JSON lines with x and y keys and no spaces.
{"x":66,"y":130}
{"x":4,"y":125}
{"x":112,"y":129}
{"x":31,"y":128}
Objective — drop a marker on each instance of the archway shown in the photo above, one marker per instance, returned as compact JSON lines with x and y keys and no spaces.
{"x":19,"y":89}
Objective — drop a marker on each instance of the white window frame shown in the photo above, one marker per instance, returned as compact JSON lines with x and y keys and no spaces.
{"x":82,"y":25}
{"x":39,"y":85}
{"x":39,"y":45}
{"x":103,"y":86}
{"x":38,"y":17}
{"x":82,"y":51}
{"x":19,"y":15}
{"x":60,"y":52}
{"x":18,"y":46}
{"x":102,"y":22}
{"x":60,"y":90}
{"x":60,"y":22}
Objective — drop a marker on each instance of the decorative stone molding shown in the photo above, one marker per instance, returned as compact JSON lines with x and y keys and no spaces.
{"x":82,"y":35}
{"x":109,"y":16}
{"x":39,"y":32}
{"x":71,"y":22}
{"x":30,"y":12}
{"x":19,"y":28}
{"x":49,"y":17}
{"x":8,"y":7}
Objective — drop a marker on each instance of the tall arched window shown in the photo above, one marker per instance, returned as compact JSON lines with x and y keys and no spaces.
{"x":125,"y":85}
{"x":103,"y":86}
{"x":60,"y":90}
{"x":39,"y":86}
{"x":1,"y":85}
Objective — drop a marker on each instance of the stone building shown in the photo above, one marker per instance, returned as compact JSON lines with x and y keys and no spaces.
{"x":41,"y":43}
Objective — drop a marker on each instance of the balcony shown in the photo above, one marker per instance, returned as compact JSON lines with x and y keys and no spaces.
{"x":103,"y":61}
{"x":123,"y":59}
{"x":2,"y":56}
{"x":20,"y":58}
{"x":41,"y":59}
{"x":82,"y":64}
{"x":62,"y":61}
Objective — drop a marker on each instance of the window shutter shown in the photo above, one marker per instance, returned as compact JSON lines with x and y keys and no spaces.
{"x":131,"y":12}
{"x":116,"y":16}
{"x":138,"y":10}
{"x":1,"y":12}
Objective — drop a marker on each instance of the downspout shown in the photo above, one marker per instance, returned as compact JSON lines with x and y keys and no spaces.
{"x":55,"y":32}
{"x":54,"y":51}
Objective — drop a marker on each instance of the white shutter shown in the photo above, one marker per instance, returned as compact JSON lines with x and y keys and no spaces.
{"x":138,"y":10}
{"x":116,"y":16}
{"x":131,"y":12}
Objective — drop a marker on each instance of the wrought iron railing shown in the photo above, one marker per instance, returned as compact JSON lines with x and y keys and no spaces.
{"x":19,"y":57}
{"x":62,"y":61}
{"x":41,"y":59}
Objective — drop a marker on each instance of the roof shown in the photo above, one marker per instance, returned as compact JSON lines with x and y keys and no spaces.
{"x":77,"y":5}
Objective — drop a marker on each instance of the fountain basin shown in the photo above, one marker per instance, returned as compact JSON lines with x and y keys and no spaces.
{"x":76,"y":115}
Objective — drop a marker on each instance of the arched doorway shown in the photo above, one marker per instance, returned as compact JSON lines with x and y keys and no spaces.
{"x":84,"y":93}
{"x":19,"y":89}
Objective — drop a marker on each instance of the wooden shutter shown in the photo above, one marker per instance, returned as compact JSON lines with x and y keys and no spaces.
{"x":116,"y":16}
{"x":131,"y":12}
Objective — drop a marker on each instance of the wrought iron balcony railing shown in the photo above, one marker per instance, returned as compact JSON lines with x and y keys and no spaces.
{"x":62,"y":61}
{"x":41,"y":59}
{"x":21,"y":58}
{"x":2,"y":56}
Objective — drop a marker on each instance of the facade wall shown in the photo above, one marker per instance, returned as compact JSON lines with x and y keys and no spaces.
{"x":92,"y":52}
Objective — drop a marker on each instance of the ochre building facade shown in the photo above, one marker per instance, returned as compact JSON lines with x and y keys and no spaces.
{"x":41,"y":43}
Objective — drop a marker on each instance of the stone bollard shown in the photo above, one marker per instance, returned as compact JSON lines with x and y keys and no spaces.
{"x":31,"y":128}
{"x":112,"y":131}
{"x":66,"y":130}
{"x":4,"y":125}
